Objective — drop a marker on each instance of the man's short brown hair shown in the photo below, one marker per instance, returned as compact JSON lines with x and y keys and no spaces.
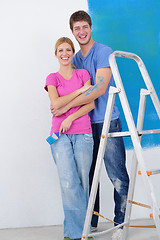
{"x":79,"y":16}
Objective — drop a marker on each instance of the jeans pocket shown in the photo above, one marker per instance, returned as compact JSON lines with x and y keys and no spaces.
{"x":88,"y":137}
{"x":115,"y":126}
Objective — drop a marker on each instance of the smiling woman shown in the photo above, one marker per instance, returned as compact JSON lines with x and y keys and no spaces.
{"x":64,"y":51}
{"x":29,"y":181}
{"x":72,"y":152}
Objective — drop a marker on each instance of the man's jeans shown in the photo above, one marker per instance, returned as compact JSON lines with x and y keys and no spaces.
{"x":114,"y":160}
{"x":72,"y":154}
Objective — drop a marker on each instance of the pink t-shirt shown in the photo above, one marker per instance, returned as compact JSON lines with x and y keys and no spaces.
{"x":64,"y":87}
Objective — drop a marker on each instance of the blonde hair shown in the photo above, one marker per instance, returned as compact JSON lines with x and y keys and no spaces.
{"x":63,"y":40}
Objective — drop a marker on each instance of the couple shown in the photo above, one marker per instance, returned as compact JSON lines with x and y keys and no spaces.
{"x":74,"y":104}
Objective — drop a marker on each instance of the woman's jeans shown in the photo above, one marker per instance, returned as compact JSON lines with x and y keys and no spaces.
{"x":114,"y":160}
{"x":72,"y":154}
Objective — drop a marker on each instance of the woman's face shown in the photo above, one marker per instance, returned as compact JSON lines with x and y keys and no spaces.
{"x":64,"y":54}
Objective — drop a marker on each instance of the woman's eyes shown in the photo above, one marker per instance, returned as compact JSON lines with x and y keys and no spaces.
{"x":68,"y":50}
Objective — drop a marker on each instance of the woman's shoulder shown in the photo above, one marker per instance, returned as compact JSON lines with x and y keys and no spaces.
{"x":51,"y":75}
{"x":52,"y":79}
{"x":81,"y":71}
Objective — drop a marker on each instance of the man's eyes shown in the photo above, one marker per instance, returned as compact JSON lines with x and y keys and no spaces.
{"x":84,"y":27}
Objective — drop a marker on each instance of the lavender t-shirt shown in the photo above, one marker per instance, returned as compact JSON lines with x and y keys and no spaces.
{"x":64,"y":87}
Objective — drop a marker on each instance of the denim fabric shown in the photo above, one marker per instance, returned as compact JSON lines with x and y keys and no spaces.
{"x":72,"y":154}
{"x":114,"y":160}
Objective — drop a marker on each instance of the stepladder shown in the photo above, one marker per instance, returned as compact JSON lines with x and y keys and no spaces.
{"x":135,"y":132}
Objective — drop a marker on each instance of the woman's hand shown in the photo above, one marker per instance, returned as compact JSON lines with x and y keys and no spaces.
{"x":65,"y":125}
{"x":58,"y":112}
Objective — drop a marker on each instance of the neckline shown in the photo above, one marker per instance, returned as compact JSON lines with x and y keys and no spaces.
{"x":88,"y":52}
{"x":65,"y":78}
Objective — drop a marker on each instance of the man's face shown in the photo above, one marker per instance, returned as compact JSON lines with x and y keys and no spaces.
{"x":82,"y":32}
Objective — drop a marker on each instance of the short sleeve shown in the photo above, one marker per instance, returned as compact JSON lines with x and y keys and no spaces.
{"x":86,"y":76}
{"x":50,"y":80}
{"x":103,"y":56}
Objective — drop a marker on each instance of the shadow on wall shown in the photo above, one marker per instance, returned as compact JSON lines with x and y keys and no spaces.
{"x":132,"y":26}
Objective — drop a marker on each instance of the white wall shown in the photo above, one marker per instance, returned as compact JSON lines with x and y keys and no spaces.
{"x":29,"y":186}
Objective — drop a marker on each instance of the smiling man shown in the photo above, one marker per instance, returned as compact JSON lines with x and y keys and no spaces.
{"x":94,"y":57}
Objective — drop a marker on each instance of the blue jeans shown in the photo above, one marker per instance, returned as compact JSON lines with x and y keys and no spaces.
{"x":114,"y":160}
{"x":72,"y":154}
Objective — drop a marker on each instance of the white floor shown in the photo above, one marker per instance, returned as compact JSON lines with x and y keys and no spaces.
{"x":56,"y":232}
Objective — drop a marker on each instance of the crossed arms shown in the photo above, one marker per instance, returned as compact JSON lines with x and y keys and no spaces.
{"x":61,"y":102}
{"x":103,"y":76}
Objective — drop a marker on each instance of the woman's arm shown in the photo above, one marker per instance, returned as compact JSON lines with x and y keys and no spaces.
{"x":58,"y":102}
{"x":65,"y":125}
{"x":103,"y":76}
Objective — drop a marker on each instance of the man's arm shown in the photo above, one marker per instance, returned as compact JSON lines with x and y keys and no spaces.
{"x":58,"y":102}
{"x":103,"y":76}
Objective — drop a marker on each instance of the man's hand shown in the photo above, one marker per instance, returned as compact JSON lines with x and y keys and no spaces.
{"x":58,"y":112}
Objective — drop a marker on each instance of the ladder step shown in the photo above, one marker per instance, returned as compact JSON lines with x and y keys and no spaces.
{"x":151,"y":215}
{"x":151,"y":172}
{"x":127,"y":133}
{"x":140,"y":204}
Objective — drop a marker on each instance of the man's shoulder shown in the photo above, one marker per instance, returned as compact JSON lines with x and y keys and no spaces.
{"x":102,"y":47}
{"x":76,"y":57}
{"x":77,"y":54}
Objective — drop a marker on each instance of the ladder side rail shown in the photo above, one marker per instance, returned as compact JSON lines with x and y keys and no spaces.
{"x":134,"y":137}
{"x":124,"y":54}
{"x":150,"y":87}
{"x":101,"y":150}
{"x":133,"y":174}
{"x":139,"y":156}
{"x":144,"y":74}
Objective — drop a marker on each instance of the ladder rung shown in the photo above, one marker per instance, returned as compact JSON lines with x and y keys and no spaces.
{"x":140,"y":204}
{"x":127,"y":133}
{"x":144,"y":132}
{"x":119,"y":134}
{"x":151,"y":172}
{"x":151,"y":215}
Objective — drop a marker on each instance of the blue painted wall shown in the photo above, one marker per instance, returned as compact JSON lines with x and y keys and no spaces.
{"x":132,"y":26}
